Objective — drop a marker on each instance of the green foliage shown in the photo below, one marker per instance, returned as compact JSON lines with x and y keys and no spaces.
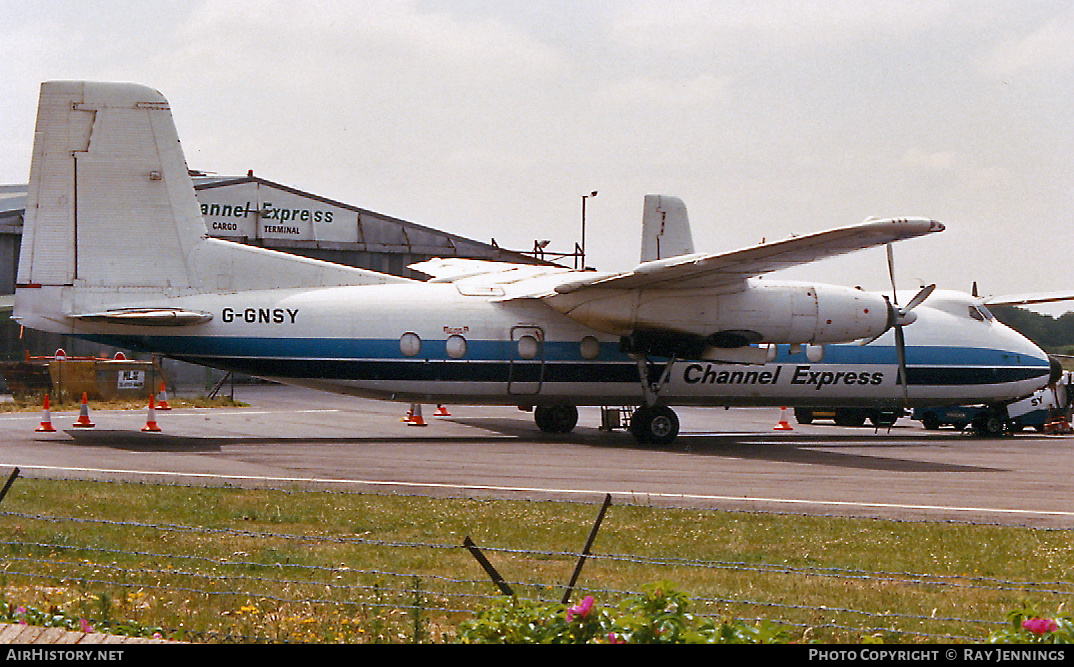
{"x":659,"y":615}
{"x":200,"y":562}
{"x":1051,"y":333}
{"x":58,"y":618}
{"x":511,"y":620}
{"x":1027,"y":626}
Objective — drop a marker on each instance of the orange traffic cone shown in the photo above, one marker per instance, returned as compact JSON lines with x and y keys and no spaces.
{"x":415,"y":416}
{"x":151,"y":419}
{"x":83,"y":420}
{"x":163,"y":398}
{"x":441,"y":411}
{"x":783,"y":424}
{"x":46,"y":420}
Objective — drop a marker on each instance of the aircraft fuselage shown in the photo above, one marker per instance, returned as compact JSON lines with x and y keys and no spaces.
{"x":420,"y":342}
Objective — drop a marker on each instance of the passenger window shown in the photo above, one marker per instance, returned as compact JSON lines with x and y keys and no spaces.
{"x":410,"y":344}
{"x":456,"y":346}
{"x":528,"y":347}
{"x":590,"y":348}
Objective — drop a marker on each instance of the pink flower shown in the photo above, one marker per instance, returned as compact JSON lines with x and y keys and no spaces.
{"x":1040,"y":626}
{"x":615,"y":639}
{"x":84,"y":624}
{"x":581,"y":609}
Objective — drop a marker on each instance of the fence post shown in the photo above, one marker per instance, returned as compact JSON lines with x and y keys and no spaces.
{"x":480,"y":557}
{"x":588,"y":546}
{"x":7,"y":485}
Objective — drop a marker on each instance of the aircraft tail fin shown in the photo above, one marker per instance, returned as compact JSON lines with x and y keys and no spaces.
{"x":109,"y":198}
{"x":665,"y":229}
{"x":111,"y":216}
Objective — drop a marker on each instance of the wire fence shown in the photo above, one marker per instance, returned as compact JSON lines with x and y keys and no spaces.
{"x":225,"y":584}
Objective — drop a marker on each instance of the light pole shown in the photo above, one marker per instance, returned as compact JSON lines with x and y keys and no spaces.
{"x":582,"y":249}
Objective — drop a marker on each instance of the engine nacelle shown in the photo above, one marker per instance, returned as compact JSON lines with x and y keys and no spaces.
{"x":764,"y":312}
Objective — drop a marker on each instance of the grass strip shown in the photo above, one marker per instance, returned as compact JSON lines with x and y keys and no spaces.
{"x":231,"y":564}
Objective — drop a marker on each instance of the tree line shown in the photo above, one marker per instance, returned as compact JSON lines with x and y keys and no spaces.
{"x":1054,"y":334}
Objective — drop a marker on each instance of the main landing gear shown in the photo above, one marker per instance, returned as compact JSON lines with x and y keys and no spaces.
{"x":650,"y":424}
{"x":657,"y":425}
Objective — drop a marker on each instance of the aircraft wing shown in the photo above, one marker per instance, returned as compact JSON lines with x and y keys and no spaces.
{"x":733,"y":268}
{"x":454,"y":269}
{"x":701,"y":270}
{"x":1028,"y":299}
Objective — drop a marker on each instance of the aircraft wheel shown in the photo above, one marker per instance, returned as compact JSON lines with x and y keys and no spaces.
{"x":849,"y":418}
{"x":988,"y":425}
{"x":930,"y":421}
{"x":556,"y":418}
{"x":803,"y":415}
{"x":884,"y":419}
{"x":654,"y":426}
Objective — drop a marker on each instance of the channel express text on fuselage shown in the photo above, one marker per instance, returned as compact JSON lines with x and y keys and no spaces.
{"x":802,"y":375}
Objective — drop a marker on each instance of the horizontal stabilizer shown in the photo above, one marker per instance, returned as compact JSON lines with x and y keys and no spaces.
{"x":148,"y":317}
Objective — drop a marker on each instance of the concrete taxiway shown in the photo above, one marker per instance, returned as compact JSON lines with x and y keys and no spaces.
{"x":734,"y":459}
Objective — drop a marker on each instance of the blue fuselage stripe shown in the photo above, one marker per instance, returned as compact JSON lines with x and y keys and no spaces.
{"x":492,"y":361}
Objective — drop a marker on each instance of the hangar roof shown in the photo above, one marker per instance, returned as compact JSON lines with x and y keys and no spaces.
{"x":271,"y":217}
{"x":12,"y":200}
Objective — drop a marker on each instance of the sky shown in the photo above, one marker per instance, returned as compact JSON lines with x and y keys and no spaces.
{"x":492,"y":119}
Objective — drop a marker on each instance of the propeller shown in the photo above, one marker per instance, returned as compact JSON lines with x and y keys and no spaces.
{"x":898,"y":317}
{"x":902,"y":317}
{"x":891,"y":274}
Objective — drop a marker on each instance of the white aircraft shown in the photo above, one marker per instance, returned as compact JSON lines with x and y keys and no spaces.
{"x":115,"y":250}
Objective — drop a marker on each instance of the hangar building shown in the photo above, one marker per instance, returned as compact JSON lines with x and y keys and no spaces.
{"x":249,"y":209}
